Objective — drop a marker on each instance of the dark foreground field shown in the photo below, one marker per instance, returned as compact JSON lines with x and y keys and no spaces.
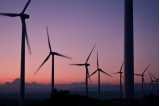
{"x":64,"y":98}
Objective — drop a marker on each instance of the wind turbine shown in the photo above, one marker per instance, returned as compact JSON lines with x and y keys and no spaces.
{"x":86,"y":65}
{"x":156,"y":80}
{"x":23,"y":16}
{"x":99,"y":71}
{"x":53,"y":54}
{"x":151,"y":82}
{"x":120,"y":73}
{"x":142,"y":77}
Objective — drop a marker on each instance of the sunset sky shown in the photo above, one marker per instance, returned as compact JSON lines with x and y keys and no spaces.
{"x":74,"y":27}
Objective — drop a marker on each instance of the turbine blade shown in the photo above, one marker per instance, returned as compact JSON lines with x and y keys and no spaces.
{"x":9,"y":14}
{"x":121,"y":67}
{"x":78,"y":64}
{"x":97,"y":60}
{"x":116,"y":73}
{"x":43,"y":63}
{"x":92,"y":73}
{"x":154,"y":77}
{"x":149,"y":74}
{"x":137,"y":74}
{"x":49,"y":44}
{"x":27,"y":40}
{"x":146,"y":69}
{"x":61,"y":55}
{"x":25,"y":7}
{"x":105,"y":73}
{"x":90,"y":54}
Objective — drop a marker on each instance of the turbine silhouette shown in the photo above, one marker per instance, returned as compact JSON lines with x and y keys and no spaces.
{"x":156,"y":80}
{"x":120,"y":81}
{"x":99,"y":71}
{"x":23,"y":18}
{"x":53,"y":54}
{"x":153,"y":82}
{"x":86,"y":65}
{"x":142,"y":77}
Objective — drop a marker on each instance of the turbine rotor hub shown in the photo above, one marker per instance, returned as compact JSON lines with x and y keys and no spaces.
{"x":87,"y":64}
{"x":26,"y":16}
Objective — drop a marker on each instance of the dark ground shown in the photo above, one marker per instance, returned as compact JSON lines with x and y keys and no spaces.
{"x":67,"y":99}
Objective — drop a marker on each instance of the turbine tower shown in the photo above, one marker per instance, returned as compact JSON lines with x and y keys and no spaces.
{"x":99,"y":71}
{"x":53,"y":54}
{"x":120,"y":80}
{"x":128,"y":50}
{"x":86,"y":65}
{"x":23,"y":16}
{"x":142,"y":77}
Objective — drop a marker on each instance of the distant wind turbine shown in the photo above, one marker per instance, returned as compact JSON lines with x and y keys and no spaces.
{"x":142,"y":77}
{"x":53,"y":54}
{"x":120,"y":73}
{"x":156,"y":80}
{"x":154,"y":83}
{"x":151,"y":82}
{"x":99,"y":71}
{"x":23,"y":18}
{"x":86,"y":65}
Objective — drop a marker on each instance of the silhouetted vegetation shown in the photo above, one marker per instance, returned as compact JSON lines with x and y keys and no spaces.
{"x":65,"y":98}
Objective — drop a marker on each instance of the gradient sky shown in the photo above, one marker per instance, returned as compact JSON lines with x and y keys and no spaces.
{"x":74,"y":27}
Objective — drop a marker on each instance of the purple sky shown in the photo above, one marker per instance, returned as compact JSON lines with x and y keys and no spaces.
{"x":75,"y":26}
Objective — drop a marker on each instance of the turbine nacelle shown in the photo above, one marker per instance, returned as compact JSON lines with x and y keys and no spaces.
{"x":87,"y":64}
{"x":26,"y":16}
{"x":99,"y":69}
